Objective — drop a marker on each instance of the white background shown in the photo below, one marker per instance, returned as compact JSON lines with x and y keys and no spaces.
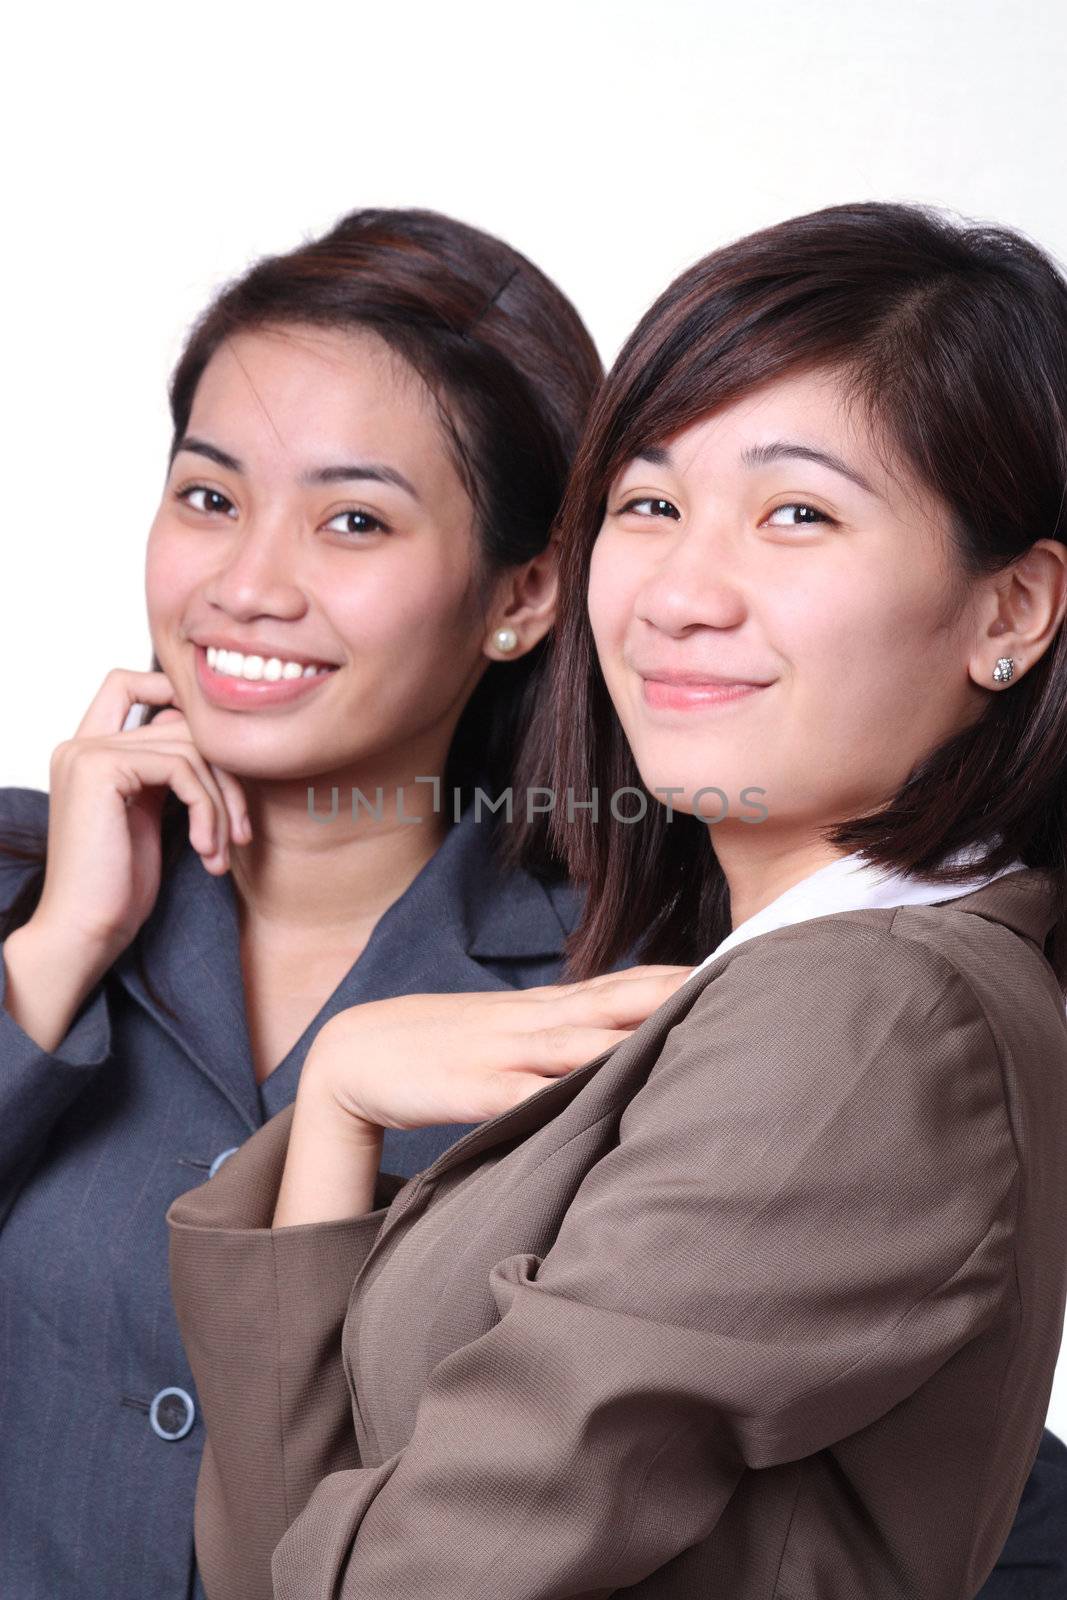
{"x":153,"y":152}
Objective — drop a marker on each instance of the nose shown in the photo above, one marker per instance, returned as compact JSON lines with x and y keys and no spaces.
{"x":256,"y":574}
{"x":695,"y":583}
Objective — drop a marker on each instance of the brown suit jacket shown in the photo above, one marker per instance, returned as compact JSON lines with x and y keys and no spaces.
{"x":763,"y":1304}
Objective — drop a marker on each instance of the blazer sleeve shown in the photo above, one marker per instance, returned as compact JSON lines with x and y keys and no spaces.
{"x":37,"y":1086}
{"x":808,"y":1210}
{"x":274,"y":1428}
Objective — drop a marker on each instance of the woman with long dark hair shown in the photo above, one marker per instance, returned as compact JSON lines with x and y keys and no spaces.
{"x":764,"y":1299}
{"x":349,"y":586}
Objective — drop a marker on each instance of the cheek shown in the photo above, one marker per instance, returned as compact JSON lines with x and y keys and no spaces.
{"x":424,"y":612}
{"x":612,"y":589}
{"x":169,"y":572}
{"x":850,"y":629}
{"x":868,"y":661}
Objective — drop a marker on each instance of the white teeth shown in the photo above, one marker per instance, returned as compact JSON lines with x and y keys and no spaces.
{"x":232,"y":664}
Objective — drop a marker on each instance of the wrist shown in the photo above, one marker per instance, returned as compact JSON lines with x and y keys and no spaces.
{"x":45,"y":984}
{"x":72,"y":961}
{"x":330,"y":1105}
{"x":332,"y":1161}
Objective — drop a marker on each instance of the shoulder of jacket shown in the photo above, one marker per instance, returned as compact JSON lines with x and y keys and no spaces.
{"x":23,"y":826}
{"x":24,"y":811}
{"x":849,"y":959}
{"x":841,"y":971}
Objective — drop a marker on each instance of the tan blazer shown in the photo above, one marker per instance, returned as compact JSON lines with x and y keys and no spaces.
{"x":763,"y":1304}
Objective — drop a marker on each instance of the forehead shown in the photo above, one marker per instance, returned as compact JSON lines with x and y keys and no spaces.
{"x":300,"y":390}
{"x":813,"y":408}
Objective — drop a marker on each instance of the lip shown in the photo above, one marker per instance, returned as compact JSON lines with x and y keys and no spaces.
{"x":242,"y":694}
{"x":678,"y":691}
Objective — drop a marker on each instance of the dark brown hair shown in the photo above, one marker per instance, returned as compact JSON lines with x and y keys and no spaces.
{"x":954,"y":336}
{"x":508,"y":360}
{"x":512,"y":368}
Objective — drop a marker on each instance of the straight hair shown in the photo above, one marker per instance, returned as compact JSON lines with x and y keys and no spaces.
{"x":512,"y":369}
{"x":953,"y":335}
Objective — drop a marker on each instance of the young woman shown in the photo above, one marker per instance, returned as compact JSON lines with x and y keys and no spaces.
{"x":765,"y":1299}
{"x":349,"y":585}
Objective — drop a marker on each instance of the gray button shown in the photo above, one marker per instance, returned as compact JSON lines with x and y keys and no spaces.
{"x":172,"y":1413}
{"x":222,"y":1156}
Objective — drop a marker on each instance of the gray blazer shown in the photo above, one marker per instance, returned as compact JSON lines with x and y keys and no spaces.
{"x":763,"y":1302}
{"x":100,"y":1423}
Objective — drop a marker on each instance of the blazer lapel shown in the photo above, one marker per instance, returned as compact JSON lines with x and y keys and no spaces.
{"x":459,"y":912}
{"x":190,"y":948}
{"x":538,"y":1108}
{"x":1023,"y":901}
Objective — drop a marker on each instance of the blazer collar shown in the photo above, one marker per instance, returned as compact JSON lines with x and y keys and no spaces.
{"x":457,"y":913}
{"x":1024,"y":901}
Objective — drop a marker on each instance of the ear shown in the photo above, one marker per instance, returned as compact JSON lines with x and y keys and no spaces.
{"x":1023,"y":610}
{"x":525,"y":602}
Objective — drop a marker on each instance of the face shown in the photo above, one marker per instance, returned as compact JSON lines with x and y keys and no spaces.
{"x":313,"y":515}
{"x":776,"y":609}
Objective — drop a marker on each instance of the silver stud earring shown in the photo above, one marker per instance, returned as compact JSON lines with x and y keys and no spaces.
{"x":1004,"y":669}
{"x":505,"y":639}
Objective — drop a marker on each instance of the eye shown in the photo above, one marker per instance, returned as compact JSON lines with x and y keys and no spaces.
{"x":661,"y":508}
{"x":215,"y":500}
{"x":368,"y":523}
{"x":781,"y":516}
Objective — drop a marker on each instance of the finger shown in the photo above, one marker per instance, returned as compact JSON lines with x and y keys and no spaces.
{"x":120,"y":690}
{"x":234,"y":796}
{"x":616,"y":1005}
{"x":604,"y":980}
{"x":503,"y":1089}
{"x":554,"y":1052}
{"x":206,"y":773}
{"x":173,"y":769}
{"x":168,"y":770}
{"x":655,"y":969}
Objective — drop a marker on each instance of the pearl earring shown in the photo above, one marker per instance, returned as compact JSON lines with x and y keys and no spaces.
{"x":505,"y":639}
{"x":1004,"y":669}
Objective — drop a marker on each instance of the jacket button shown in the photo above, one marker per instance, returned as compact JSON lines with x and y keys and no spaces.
{"x":171,"y":1414}
{"x":223,"y":1155}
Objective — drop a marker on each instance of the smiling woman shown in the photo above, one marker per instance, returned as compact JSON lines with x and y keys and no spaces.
{"x":830,"y":463}
{"x":349,"y":582}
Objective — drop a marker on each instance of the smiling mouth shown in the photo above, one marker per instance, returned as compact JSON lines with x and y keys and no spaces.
{"x":256,"y":668}
{"x":692,"y":694}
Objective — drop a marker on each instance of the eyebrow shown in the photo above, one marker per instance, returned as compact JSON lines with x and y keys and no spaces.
{"x":656,"y":454}
{"x":762,"y":455}
{"x":367,"y":471}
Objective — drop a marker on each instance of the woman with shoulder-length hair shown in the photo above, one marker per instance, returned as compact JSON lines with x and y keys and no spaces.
{"x":349,"y":586}
{"x":764,"y":1299}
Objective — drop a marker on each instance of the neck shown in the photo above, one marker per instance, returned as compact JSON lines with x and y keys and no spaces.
{"x":306,"y":875}
{"x":758,"y":870}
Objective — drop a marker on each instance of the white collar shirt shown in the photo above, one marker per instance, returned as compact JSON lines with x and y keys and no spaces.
{"x":852,"y":883}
